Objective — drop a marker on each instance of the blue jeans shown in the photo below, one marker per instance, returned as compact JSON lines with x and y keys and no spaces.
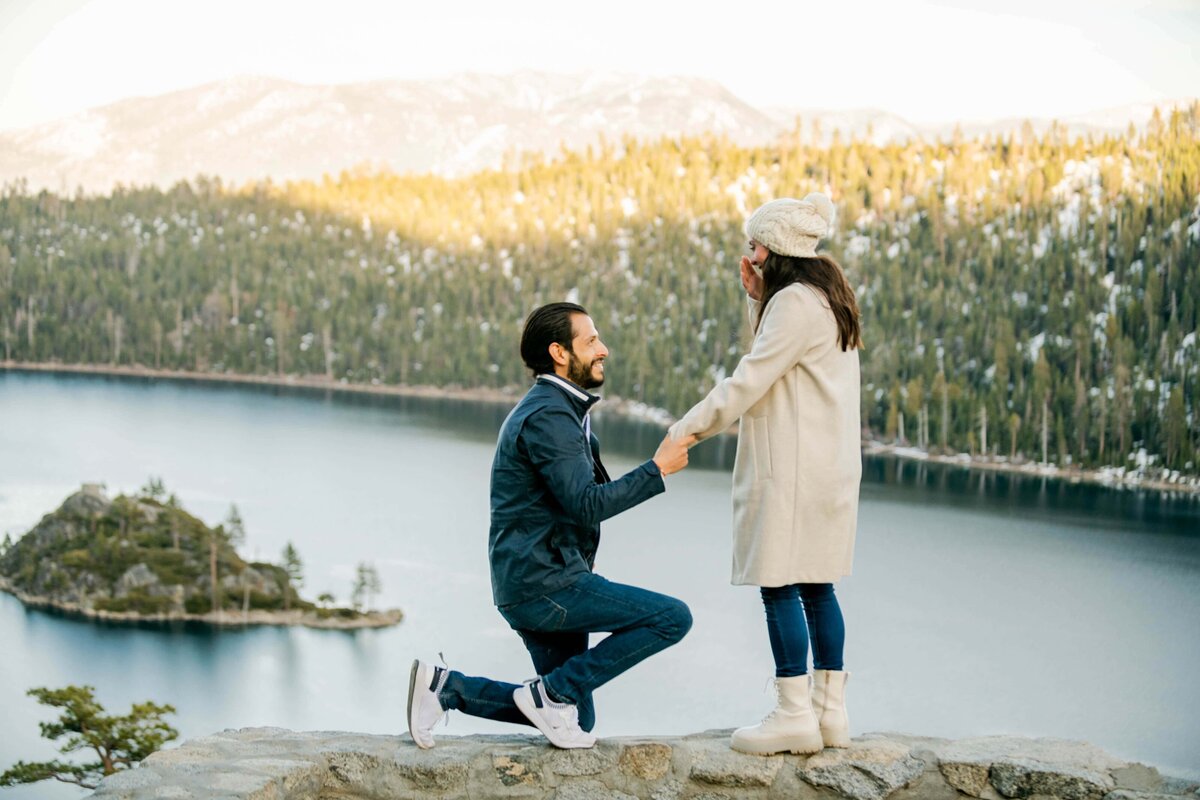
{"x":555,"y":630}
{"x":789,"y":608}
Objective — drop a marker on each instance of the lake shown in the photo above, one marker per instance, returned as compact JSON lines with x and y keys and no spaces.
{"x":980,"y":603}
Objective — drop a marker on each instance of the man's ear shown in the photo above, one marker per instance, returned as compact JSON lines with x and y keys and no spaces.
{"x":559,"y":354}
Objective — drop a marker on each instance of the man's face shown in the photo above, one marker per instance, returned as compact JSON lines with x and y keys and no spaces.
{"x":585,"y":361}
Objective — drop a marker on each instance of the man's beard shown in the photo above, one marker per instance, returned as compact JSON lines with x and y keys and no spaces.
{"x":582,"y":374}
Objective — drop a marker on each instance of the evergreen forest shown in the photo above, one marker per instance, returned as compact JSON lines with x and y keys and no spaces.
{"x":1032,"y":297}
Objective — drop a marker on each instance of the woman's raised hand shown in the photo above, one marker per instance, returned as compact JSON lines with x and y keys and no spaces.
{"x":752,"y":282}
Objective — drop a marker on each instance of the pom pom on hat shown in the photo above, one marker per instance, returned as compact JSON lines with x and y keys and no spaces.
{"x":792,"y":227}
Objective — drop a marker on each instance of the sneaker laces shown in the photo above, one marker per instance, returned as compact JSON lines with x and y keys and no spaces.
{"x":441,"y":684}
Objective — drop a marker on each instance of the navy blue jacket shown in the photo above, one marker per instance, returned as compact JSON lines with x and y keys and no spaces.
{"x":550,"y":493}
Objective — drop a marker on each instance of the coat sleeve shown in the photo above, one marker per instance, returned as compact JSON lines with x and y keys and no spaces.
{"x":790,"y":328}
{"x":559,"y":453}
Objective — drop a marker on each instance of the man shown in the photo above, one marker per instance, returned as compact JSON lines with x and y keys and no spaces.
{"x":549,"y":494}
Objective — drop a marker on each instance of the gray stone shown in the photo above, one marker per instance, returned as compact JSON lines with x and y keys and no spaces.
{"x":737,"y":771}
{"x":88,"y":501}
{"x":238,"y":782}
{"x":260,"y":582}
{"x":581,"y":762}
{"x":1137,"y":777}
{"x":929,"y":785}
{"x":671,"y":790}
{"x":867,"y":770}
{"x":137,"y":577}
{"x":1180,"y":786}
{"x":438,"y":770}
{"x":589,"y":790}
{"x":714,"y":763}
{"x":348,"y":769}
{"x":294,"y":777}
{"x":1020,"y":767}
{"x":1027,"y":778}
{"x":129,"y":779}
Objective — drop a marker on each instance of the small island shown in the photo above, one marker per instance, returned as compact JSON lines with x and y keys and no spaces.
{"x":143,"y":558}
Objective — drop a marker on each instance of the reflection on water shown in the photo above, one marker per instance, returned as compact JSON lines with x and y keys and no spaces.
{"x":1030,"y":495}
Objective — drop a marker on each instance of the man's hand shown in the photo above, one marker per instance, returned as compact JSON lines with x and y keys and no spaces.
{"x":672,"y":456}
{"x":752,"y":282}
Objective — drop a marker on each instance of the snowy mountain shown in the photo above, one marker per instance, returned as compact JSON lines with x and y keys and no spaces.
{"x":246,"y":129}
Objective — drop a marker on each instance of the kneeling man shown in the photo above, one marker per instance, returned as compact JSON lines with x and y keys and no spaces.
{"x":549,"y":494}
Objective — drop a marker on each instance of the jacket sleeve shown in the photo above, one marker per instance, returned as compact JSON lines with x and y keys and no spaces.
{"x":789,"y":329}
{"x":557,"y":448}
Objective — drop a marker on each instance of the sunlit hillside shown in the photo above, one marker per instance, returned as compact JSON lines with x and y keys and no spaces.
{"x":1018,"y":293}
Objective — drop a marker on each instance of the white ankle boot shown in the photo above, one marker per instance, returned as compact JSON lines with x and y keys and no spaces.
{"x":829,"y":704}
{"x":792,"y":727}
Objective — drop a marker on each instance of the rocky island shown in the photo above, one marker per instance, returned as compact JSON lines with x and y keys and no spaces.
{"x":143,"y":558}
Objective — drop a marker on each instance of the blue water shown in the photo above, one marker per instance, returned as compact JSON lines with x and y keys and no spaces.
{"x":980,"y":603}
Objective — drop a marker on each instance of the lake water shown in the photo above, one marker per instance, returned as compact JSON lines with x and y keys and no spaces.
{"x":980,"y":604}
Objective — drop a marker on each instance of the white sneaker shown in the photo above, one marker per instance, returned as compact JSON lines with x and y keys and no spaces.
{"x":558,"y":721}
{"x":425,"y":683}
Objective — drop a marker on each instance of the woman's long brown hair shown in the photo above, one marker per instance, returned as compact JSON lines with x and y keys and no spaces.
{"x":822,"y":273}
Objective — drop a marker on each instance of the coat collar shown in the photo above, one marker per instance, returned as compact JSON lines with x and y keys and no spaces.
{"x":581,"y":399}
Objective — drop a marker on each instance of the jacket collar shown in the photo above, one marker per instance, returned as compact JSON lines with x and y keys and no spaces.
{"x":581,"y":399}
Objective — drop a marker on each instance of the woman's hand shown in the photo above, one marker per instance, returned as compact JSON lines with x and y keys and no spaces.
{"x":672,"y":455}
{"x":752,"y":282}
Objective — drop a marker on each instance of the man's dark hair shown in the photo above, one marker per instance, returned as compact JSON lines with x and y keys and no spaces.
{"x":546,"y":325}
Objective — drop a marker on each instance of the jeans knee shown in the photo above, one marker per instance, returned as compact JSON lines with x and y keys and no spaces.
{"x":677,"y":620}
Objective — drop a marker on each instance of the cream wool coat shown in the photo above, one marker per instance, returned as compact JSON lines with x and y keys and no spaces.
{"x":798,"y":466}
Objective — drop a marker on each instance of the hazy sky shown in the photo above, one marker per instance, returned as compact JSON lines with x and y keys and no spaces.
{"x":927,"y":60}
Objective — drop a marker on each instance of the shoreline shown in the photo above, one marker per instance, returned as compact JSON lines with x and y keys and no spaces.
{"x":232,"y":619}
{"x":1110,"y":477}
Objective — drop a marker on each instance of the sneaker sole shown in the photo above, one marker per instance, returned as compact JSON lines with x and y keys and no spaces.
{"x":412,"y":688}
{"x":525,"y":704}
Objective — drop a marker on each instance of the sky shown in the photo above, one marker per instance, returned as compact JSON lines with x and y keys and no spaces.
{"x":930,"y":61}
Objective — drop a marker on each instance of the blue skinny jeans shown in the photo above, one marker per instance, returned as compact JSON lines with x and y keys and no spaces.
{"x":800,"y":613}
{"x":555,"y":628}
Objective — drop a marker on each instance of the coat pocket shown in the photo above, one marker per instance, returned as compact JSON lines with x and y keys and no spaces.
{"x":761,"y":442}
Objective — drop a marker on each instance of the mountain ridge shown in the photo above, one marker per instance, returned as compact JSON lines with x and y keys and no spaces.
{"x":249,"y":128}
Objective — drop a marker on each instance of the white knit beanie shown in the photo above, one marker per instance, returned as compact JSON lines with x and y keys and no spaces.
{"x":792,"y":227}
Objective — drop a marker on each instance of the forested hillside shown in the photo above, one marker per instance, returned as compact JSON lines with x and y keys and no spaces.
{"x":1019,"y":294}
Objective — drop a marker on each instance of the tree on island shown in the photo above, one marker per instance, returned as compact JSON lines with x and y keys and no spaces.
{"x":231,"y":532}
{"x":235,"y":535}
{"x":366,"y":585}
{"x":326,"y":599}
{"x":120,"y":742}
{"x":154,"y":489}
{"x":294,"y":567}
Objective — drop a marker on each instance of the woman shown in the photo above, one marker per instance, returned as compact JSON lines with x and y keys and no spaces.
{"x":796,"y":476}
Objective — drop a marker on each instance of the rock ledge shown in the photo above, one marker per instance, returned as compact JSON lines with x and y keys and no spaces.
{"x":278,"y":764}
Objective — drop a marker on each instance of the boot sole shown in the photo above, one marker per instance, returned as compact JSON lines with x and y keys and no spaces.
{"x":836,"y":740}
{"x":412,"y":688}
{"x":797,"y":748}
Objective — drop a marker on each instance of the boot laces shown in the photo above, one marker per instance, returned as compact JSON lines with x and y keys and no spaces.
{"x":772,"y":686}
